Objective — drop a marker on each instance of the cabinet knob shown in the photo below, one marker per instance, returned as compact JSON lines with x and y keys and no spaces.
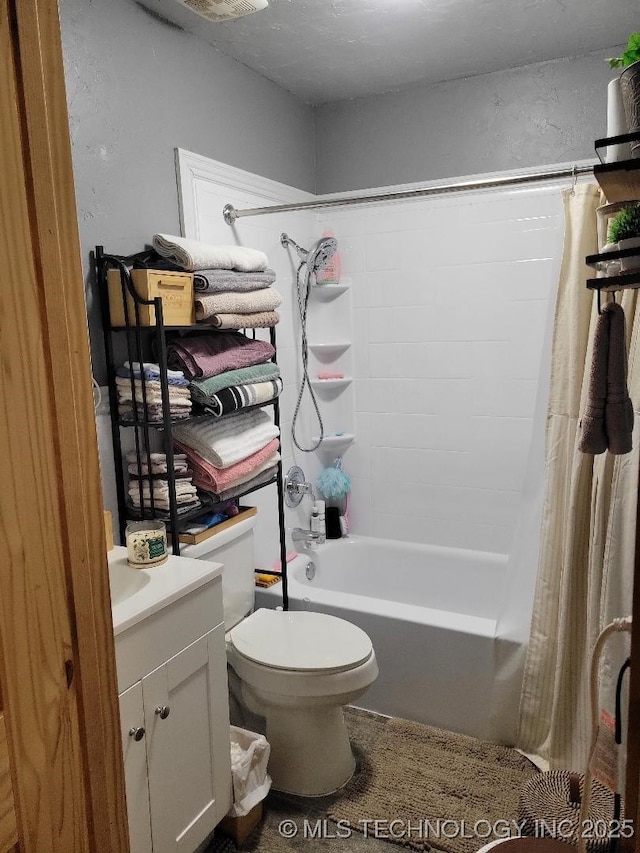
{"x":163,"y":711}
{"x":137,"y":733}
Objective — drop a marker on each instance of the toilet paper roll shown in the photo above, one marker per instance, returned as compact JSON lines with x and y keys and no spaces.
{"x":616,"y":124}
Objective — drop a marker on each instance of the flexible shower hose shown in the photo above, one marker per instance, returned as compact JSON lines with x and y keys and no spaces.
{"x":303,"y":301}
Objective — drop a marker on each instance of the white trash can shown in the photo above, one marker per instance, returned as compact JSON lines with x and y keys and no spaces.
{"x":251,"y":783}
{"x":249,"y":758}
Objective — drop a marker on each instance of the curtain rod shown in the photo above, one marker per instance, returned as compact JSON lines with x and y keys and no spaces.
{"x":230,"y":213}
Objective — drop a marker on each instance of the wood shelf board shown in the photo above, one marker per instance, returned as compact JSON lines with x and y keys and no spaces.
{"x":619,"y":181}
{"x":196,"y":538}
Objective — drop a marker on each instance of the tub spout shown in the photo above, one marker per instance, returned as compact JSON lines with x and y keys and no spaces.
{"x":308,"y":538}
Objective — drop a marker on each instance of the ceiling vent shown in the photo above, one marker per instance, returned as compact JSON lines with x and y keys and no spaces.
{"x":224,"y":10}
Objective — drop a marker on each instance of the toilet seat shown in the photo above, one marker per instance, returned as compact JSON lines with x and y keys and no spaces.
{"x":300,"y":642}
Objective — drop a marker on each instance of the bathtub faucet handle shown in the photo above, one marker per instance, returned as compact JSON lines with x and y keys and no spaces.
{"x":296,"y":486}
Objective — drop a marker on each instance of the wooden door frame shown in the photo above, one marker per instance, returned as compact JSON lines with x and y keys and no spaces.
{"x":57,"y":661}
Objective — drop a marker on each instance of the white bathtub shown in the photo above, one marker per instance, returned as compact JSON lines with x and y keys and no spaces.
{"x":431,"y":614}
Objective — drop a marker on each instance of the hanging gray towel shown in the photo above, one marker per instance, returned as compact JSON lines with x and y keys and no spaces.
{"x":618,"y":409}
{"x":594,"y":437}
{"x":607,"y":423}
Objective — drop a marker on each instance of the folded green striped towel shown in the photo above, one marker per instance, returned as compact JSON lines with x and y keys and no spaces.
{"x":204,"y":388}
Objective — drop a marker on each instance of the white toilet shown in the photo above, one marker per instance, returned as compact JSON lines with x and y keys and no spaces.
{"x":297,"y":669}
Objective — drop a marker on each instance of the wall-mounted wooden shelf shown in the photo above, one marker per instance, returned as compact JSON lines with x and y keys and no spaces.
{"x":620,"y":181}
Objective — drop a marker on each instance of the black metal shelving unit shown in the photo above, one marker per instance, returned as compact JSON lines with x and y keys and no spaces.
{"x":139,"y":339}
{"x":620,"y":182}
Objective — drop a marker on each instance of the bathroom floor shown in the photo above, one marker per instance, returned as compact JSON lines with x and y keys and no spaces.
{"x":301,"y":823}
{"x":405,"y":773}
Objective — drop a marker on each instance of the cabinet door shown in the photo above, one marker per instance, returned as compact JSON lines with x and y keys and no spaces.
{"x":186,"y":708}
{"x":135,"y":769}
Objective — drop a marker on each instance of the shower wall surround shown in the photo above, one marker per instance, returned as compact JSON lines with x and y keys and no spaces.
{"x":449,"y":303}
{"x":450,"y":306}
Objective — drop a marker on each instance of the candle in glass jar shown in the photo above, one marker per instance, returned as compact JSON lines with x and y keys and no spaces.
{"x":146,"y":543}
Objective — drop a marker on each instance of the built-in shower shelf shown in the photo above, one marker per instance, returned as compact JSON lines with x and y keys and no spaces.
{"x":331,"y":384}
{"x":327,"y":352}
{"x":329,"y":291}
{"x":336,"y":445}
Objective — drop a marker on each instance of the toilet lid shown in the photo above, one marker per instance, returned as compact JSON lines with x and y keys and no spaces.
{"x":301,"y":640}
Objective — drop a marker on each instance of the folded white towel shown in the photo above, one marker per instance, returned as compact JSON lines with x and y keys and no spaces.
{"x":194,"y":255}
{"x":227,"y":441}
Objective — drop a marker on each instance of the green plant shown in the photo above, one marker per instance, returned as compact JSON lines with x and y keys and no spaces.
{"x":631,"y":54}
{"x":625,"y":224}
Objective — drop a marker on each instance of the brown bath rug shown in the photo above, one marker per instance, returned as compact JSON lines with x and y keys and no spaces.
{"x":429,"y":788}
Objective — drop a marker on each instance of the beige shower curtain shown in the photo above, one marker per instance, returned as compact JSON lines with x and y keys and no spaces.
{"x":588,"y":524}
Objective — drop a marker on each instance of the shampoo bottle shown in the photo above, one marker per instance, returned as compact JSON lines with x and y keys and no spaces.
{"x":318,"y":521}
{"x":330,"y":274}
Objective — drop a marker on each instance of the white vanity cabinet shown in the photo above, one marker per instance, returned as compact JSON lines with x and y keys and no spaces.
{"x":174,"y":710}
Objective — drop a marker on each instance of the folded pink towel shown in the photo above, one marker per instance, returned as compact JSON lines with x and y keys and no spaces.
{"x":206,"y":476}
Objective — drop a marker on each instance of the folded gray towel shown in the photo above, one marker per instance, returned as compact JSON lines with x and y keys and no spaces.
{"x":219,"y":281}
{"x":618,"y":408}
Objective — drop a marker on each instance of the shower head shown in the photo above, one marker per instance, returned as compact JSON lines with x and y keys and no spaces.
{"x":318,"y":256}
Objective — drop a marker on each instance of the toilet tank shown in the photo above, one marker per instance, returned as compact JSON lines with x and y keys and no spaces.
{"x":233,"y":548}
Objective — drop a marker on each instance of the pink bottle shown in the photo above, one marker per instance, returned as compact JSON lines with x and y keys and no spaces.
{"x":330,"y":274}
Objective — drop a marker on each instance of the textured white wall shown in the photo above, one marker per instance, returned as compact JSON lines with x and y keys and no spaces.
{"x":450,"y":301}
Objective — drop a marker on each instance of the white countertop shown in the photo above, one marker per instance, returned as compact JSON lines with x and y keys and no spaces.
{"x":137,"y":593}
